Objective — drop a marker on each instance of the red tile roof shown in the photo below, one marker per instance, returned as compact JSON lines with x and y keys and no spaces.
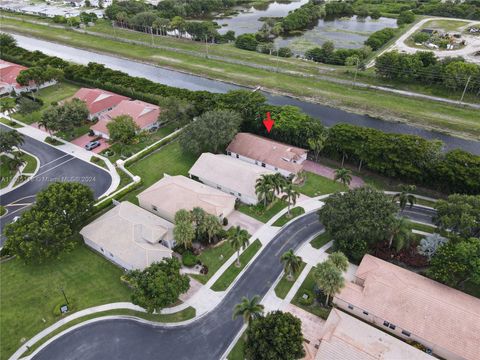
{"x":9,"y":72}
{"x":99,"y":100}
{"x":144,"y":114}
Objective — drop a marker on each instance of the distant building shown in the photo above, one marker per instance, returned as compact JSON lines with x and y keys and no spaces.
{"x":173,"y":193}
{"x":8,"y":79}
{"x":413,"y":307}
{"x":145,"y":115}
{"x":347,"y":338}
{"x":99,"y":101}
{"x":237,"y":178}
{"x":130,"y":236}
{"x":273,"y":155}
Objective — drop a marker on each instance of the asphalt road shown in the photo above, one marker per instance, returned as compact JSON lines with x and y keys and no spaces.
{"x":55,"y":165}
{"x":205,"y":339}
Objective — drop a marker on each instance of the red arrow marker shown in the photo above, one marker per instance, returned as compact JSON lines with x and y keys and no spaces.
{"x":268,"y":122}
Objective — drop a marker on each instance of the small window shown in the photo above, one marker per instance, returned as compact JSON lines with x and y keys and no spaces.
{"x":392,"y":326}
{"x":365,"y":312}
{"x":219,"y":187}
{"x":239,"y":194}
{"x":386,"y":323}
{"x":232,"y":193}
{"x":102,"y":249}
{"x":276,"y":169}
{"x":350,"y":307}
{"x":237,"y":156}
{"x":111,"y":255}
{"x":256,"y":162}
{"x":229,"y":153}
{"x":406,"y":333}
{"x":263,"y":165}
{"x":154,"y":208}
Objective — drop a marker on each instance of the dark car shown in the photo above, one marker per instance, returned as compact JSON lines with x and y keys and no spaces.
{"x":92,"y":145}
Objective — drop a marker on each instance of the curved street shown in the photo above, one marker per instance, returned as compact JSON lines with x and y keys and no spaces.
{"x":204,"y":339}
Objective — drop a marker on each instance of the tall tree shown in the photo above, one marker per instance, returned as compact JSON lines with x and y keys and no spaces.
{"x":211,"y":226}
{"x":400,"y":233}
{"x":329,"y":278}
{"x":459,"y":214}
{"x":290,"y":194}
{"x":344,"y":176}
{"x":248,"y":309}
{"x":317,"y":144}
{"x":339,"y":259}
{"x":276,"y":336}
{"x":10,"y":141}
{"x":122,"y":129}
{"x":265,"y":188}
{"x":198,"y":217}
{"x":238,"y":239}
{"x":405,"y":196}
{"x":291,"y":263}
{"x":184,"y":233}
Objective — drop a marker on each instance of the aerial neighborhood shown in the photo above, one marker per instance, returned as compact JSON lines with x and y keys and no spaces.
{"x":239,"y":180}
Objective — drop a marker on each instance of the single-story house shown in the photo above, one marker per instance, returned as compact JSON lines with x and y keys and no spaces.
{"x":173,"y":193}
{"x":345,"y":337}
{"x":413,"y":307}
{"x":8,"y":79}
{"x":145,"y":115}
{"x":99,"y":101}
{"x":225,"y":173}
{"x":130,"y":236}
{"x":273,"y":155}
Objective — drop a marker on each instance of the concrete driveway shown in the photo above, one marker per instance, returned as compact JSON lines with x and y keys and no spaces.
{"x":85,"y":139}
{"x":246,"y":222}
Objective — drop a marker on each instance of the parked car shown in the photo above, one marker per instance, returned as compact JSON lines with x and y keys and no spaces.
{"x":92,"y":145}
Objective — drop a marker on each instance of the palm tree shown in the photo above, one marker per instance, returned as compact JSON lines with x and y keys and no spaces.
{"x":329,"y":278}
{"x":248,"y":309}
{"x":278,"y":182}
{"x":211,"y":226}
{"x":238,"y":239}
{"x":184,"y":233}
{"x":198,"y":217}
{"x":7,"y":106}
{"x":339,"y":260}
{"x":344,"y":175}
{"x":265,"y":188}
{"x":405,"y":196}
{"x":290,"y":195}
{"x":400,"y":233}
{"x":291,"y":263}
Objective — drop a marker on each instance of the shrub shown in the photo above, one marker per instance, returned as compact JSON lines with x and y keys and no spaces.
{"x":27,"y":105}
{"x":225,"y":221}
{"x":246,"y":42}
{"x":421,"y":37}
{"x":306,"y":301}
{"x":188,"y":259}
{"x":50,"y":140}
{"x":380,"y":38}
{"x":405,"y":17}
{"x":285,"y":52}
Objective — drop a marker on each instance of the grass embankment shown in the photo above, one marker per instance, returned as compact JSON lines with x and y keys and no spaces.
{"x":214,"y":258}
{"x":451,"y":118}
{"x":296,"y":211}
{"x":238,"y":351}
{"x":6,"y":173}
{"x":12,"y":124}
{"x":307,"y":287}
{"x":262,"y":213}
{"x":233,"y":270}
{"x":320,"y":240}
{"x":182,"y":315}
{"x":31,"y":292}
{"x":316,"y":185}
{"x":54,"y":93}
{"x":284,"y":285}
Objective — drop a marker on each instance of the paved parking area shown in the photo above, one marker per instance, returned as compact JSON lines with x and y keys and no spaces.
{"x":246,"y":222}
{"x":85,"y":139}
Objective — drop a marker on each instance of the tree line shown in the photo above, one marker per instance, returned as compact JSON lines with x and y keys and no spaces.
{"x":407,"y":157}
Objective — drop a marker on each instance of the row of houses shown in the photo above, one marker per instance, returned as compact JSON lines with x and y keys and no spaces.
{"x":8,"y":79}
{"x":214,"y":184}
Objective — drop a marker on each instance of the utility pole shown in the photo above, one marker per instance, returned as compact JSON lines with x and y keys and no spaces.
{"x":465,"y":89}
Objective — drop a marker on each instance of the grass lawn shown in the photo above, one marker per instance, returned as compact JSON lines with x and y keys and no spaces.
{"x":214,"y":258}
{"x":423,"y":227}
{"x":169,"y":159}
{"x":54,"y":93}
{"x":31,"y":164}
{"x":182,"y":315}
{"x":10,"y":123}
{"x":316,"y":185}
{"x":232,"y":272}
{"x":315,"y":308}
{"x":31,"y":292}
{"x":238,"y":351}
{"x":6,"y":174}
{"x":75,"y":133}
{"x":320,"y":240}
{"x":284,"y":285}
{"x":261,"y":213}
{"x":296,"y":211}
{"x":450,"y":118}
{"x":445,"y":25}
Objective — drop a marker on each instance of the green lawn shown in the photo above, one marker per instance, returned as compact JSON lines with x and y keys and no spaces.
{"x":75,"y":133}
{"x":31,"y":163}
{"x":10,"y":123}
{"x":320,"y":240}
{"x":54,"y":93}
{"x":232,"y":272}
{"x":214,"y":258}
{"x":261,"y":213}
{"x":182,"y":315}
{"x":445,"y":25}
{"x":284,"y":285}
{"x":282,"y":220}
{"x":31,"y":292}
{"x":6,"y":173}
{"x":316,"y":185}
{"x":169,"y":159}
{"x":315,"y":308}
{"x":238,"y":351}
{"x":450,"y":118}
{"x":423,"y":227}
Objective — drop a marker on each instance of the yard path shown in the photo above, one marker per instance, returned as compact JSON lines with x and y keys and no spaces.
{"x":329,"y":173}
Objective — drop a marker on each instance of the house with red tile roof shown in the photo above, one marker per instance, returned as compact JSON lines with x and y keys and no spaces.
{"x":99,"y":101}
{"x":145,"y":115}
{"x":8,"y":79}
{"x":415,"y":308}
